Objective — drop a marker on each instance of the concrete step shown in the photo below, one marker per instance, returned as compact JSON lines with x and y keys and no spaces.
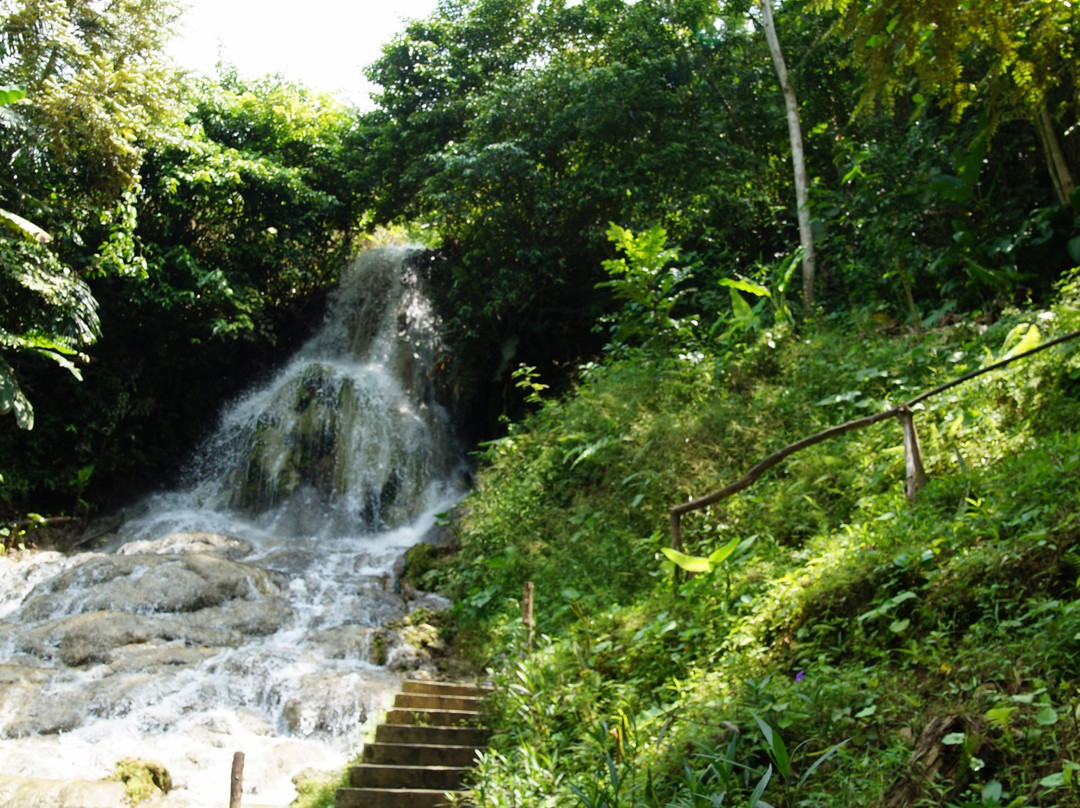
{"x":447,"y":736}
{"x":404,"y":754}
{"x":433,"y":718}
{"x":429,"y":701}
{"x":390,"y":798}
{"x":443,"y":688}
{"x":423,"y":750}
{"x":434,"y":778}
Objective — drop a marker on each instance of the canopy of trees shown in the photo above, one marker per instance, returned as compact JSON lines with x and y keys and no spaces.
{"x":190,"y":226}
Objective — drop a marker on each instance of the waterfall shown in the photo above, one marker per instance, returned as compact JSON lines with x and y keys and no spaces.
{"x":249,"y":610}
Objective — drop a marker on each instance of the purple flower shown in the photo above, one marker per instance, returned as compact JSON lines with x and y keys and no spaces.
{"x":800,"y":676}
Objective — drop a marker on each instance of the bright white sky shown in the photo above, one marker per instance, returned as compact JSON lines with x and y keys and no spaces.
{"x":324,"y":44}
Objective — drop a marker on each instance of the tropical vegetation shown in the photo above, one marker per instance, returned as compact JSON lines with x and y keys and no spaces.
{"x":643,"y":300}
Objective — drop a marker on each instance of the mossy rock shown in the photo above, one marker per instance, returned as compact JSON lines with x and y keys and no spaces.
{"x":142,"y":779}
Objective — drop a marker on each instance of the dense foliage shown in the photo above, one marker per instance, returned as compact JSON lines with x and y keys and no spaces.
{"x":853,"y":648}
{"x":213,"y":214}
{"x":191,"y":232}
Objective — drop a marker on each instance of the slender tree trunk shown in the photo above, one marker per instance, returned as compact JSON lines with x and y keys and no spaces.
{"x":802,"y":183}
{"x":1055,"y":158}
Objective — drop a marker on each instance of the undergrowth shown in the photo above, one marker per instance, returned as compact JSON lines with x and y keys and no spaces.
{"x":854,"y":648}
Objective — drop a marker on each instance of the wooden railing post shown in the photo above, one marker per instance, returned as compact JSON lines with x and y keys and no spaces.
{"x":236,"y":782}
{"x":916,"y":474}
{"x":527,"y":614}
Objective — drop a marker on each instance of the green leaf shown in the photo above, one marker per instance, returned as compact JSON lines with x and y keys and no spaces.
{"x":687,"y":562}
{"x":746,"y":286}
{"x":1047,"y":716}
{"x":899,"y":626}
{"x":776,"y":747}
{"x":23,"y":227}
{"x":1000,"y":716}
{"x":718,"y":557}
{"x":991,"y":792}
{"x":832,"y":750}
{"x":1053,"y":780}
{"x":954,"y":739}
{"x":1028,"y":335}
{"x":10,"y":94}
{"x":1074,"y":249}
{"x":760,"y":788}
{"x":13,"y":399}
{"x":740,"y":307}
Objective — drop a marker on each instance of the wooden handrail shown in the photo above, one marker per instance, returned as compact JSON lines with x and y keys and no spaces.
{"x":916,"y":476}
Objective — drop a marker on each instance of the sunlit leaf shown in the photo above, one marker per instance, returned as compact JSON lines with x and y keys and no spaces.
{"x":686,"y":562}
{"x":744,"y":285}
{"x":24,"y":228}
{"x":717,"y":557}
{"x":9,"y":95}
{"x":1026,"y":336}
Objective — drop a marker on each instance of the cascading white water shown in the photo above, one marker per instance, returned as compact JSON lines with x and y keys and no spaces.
{"x":247,"y":611}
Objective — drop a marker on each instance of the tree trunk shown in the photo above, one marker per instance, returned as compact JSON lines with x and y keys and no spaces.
{"x":802,"y":184}
{"x":1055,"y":158}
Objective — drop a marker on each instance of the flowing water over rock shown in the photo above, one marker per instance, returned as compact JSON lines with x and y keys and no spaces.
{"x":248,"y":611}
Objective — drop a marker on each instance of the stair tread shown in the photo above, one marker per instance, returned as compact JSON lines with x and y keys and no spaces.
{"x":403,"y":789}
{"x":404,"y":766}
{"x":396,"y":745}
{"x":425,"y":731}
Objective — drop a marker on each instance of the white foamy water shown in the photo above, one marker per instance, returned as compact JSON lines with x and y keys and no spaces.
{"x":247,"y":612}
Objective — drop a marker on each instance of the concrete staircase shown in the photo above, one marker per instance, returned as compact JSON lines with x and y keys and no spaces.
{"x":427,"y":743}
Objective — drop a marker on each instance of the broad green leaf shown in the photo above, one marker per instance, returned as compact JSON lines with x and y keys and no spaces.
{"x":717,"y":557}
{"x":991,"y":792}
{"x":23,"y":227}
{"x":10,"y":94}
{"x":1029,"y":337}
{"x":953,"y":739}
{"x":1047,"y":716}
{"x":24,"y":413}
{"x":8,"y":390}
{"x":740,"y":307}
{"x":687,"y":562}
{"x":1074,"y":249}
{"x":746,"y":286}
{"x":1053,"y":780}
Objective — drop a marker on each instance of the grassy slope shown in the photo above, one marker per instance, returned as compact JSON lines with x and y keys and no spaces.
{"x":939,"y":643}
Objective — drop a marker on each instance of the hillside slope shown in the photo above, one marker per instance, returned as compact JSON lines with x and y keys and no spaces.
{"x":853,"y":649}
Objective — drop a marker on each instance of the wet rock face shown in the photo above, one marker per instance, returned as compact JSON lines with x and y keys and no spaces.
{"x":192,"y":542}
{"x":86,"y":613}
{"x":148,"y":584}
{"x":61,"y":793}
{"x":129,"y":617}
